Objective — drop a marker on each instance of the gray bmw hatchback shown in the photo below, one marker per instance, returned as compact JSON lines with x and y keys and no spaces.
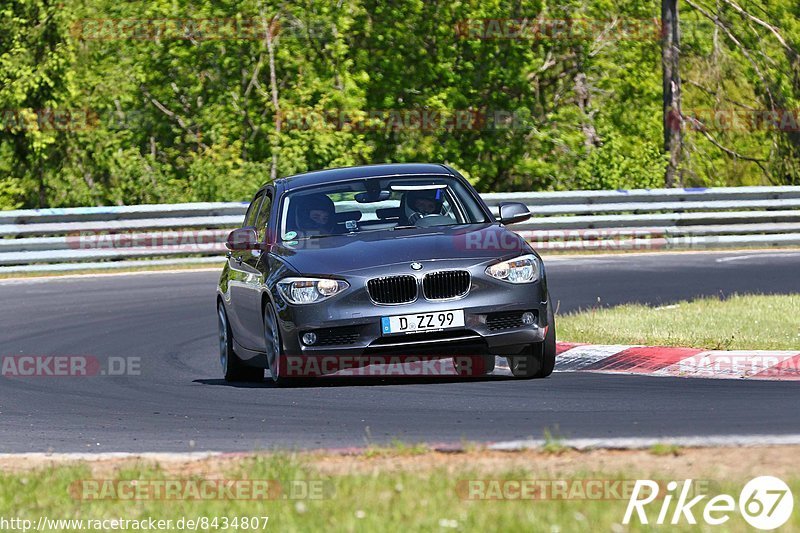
{"x":345,"y":268}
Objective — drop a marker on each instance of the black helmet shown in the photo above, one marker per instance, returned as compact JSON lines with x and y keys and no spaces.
{"x":412,"y":197}
{"x":303,"y":205}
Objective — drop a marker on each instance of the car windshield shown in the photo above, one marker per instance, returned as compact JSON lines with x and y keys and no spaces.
{"x":375,"y":204}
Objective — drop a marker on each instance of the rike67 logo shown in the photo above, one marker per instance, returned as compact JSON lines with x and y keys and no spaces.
{"x":765,"y":503}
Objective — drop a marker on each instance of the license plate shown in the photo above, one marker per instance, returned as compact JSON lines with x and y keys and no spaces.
{"x":392,"y":325}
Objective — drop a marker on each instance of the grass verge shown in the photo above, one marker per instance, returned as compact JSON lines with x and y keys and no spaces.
{"x":428,"y":492}
{"x":741,"y":322}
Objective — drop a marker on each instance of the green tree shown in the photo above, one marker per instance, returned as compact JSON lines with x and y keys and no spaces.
{"x":36,"y":60}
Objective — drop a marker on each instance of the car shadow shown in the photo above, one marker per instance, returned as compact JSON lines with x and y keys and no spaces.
{"x":350,"y":381}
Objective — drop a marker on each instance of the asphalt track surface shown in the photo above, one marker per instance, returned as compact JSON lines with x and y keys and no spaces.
{"x":179,"y":402}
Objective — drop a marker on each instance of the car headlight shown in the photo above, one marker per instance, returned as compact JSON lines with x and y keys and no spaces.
{"x":310,"y":290}
{"x":522,"y":269}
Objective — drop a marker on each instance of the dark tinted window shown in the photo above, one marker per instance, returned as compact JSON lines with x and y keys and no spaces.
{"x":263,"y":216}
{"x":252,"y":211}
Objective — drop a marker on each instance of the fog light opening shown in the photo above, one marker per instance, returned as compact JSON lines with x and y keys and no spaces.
{"x":528,"y":318}
{"x":309,"y":339}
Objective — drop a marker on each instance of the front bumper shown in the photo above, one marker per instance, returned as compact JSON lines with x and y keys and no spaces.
{"x":349,"y":324}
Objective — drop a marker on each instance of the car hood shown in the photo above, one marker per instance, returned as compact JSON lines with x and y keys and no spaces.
{"x":345,"y":253}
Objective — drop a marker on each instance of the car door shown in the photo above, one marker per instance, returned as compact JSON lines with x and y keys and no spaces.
{"x":250,"y":303}
{"x":242,"y":283}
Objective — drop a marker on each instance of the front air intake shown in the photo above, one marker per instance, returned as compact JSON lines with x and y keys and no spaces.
{"x":393,"y":290}
{"x":446,"y":284}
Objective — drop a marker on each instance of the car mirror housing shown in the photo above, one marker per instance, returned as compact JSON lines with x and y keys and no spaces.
{"x":373,"y":196}
{"x":243,"y":239}
{"x":514,"y":212}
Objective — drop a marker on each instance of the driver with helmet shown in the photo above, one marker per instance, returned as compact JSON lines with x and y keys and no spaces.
{"x":423,"y":203}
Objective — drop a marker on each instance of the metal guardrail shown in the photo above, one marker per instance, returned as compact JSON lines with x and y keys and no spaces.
{"x":646,"y":219}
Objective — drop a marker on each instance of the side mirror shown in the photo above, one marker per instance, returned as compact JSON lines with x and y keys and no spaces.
{"x":243,"y":239}
{"x":513,"y":212}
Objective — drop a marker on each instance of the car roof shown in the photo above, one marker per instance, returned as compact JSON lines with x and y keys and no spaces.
{"x":321,"y":177}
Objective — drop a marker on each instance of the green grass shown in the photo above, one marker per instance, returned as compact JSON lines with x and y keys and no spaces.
{"x":755,"y":322}
{"x":553,"y":444}
{"x":376,"y":501}
{"x":396,"y":448}
{"x":662,"y":449}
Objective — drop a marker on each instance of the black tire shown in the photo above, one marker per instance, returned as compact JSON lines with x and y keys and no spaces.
{"x":233,"y":369}
{"x":273,"y":346}
{"x":474,"y":366}
{"x":540,"y":360}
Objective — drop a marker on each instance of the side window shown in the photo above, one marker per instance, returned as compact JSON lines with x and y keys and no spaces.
{"x":252,"y":211}
{"x":263,"y":217}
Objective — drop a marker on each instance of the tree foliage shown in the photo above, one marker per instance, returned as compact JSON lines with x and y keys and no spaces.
{"x":98,"y":112}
